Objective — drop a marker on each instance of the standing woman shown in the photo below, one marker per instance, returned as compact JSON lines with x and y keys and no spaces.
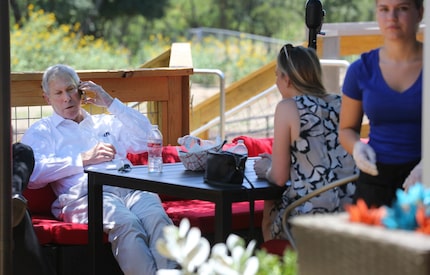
{"x":306,"y":153}
{"x":386,"y":85}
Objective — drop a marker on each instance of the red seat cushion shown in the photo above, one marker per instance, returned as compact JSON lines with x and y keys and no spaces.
{"x":256,"y":146}
{"x":202,"y":214}
{"x":170,"y":155}
{"x":40,"y":200}
{"x":49,"y":230}
{"x":42,"y":229}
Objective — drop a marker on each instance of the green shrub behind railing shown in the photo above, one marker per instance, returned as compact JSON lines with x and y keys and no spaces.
{"x":40,"y":42}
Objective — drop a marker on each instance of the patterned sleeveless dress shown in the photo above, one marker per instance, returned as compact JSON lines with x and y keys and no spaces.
{"x":317,"y":158}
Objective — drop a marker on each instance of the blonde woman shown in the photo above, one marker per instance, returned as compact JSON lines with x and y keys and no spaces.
{"x":306,"y":153}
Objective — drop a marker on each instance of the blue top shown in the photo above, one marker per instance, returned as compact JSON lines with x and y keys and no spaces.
{"x":395,"y":118}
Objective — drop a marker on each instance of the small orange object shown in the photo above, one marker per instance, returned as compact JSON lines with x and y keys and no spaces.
{"x":360,"y":212}
{"x":423,"y":221}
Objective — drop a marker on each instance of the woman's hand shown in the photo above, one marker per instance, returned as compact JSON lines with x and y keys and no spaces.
{"x":100,"y":153}
{"x":365,"y":158}
{"x":414,"y":177}
{"x":262,"y":165}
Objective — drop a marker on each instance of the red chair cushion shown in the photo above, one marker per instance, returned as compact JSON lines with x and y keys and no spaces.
{"x":202,"y":214}
{"x":39,"y":200}
{"x":170,"y":155}
{"x":256,"y":146}
{"x":49,"y":230}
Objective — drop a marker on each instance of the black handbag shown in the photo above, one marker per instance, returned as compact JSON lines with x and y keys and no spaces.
{"x":227,"y":169}
{"x":224,"y":168}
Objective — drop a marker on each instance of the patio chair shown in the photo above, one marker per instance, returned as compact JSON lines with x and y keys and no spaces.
{"x":278,"y":246}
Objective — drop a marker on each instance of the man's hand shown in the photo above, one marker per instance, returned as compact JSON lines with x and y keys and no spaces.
{"x":414,"y":176}
{"x":365,"y":158}
{"x":95,"y":94}
{"x":102,"y":152}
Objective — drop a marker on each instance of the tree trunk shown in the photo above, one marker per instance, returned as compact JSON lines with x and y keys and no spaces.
{"x":222,"y":18}
{"x":16,"y":11}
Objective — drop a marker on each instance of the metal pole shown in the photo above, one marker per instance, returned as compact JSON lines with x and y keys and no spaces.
{"x":220,"y":74}
{"x":5,"y":145}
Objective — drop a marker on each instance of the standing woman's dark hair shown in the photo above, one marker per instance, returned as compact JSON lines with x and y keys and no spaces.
{"x":418,"y":3}
{"x":303,"y":67}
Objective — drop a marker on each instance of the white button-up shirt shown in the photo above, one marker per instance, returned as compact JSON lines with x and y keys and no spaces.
{"x":58,"y":143}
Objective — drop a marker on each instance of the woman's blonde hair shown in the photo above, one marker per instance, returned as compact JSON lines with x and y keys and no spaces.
{"x":303,"y":67}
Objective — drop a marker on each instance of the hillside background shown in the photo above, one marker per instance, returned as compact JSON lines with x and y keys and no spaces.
{"x":236,"y":37}
{"x":102,"y":34}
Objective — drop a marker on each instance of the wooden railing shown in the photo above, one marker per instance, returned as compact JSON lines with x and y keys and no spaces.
{"x":167,"y":87}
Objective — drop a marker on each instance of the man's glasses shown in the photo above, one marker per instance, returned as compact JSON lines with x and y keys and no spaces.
{"x":125,"y":168}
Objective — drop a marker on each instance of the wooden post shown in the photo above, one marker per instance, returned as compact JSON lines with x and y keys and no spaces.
{"x":5,"y":146}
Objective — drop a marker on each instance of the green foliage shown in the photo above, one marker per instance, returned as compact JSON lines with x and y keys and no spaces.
{"x":149,"y":48}
{"x":270,"y":264}
{"x":93,"y":14}
{"x":146,"y":28}
{"x":148,"y":9}
{"x":120,"y":21}
{"x":273,"y":18}
{"x":41,"y":42}
{"x":348,"y":11}
{"x":43,"y":39}
{"x":236,"y":57}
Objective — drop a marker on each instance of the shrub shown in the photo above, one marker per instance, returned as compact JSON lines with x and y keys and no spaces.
{"x":40,"y":42}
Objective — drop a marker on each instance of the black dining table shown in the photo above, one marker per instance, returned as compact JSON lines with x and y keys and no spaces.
{"x":175,"y":181}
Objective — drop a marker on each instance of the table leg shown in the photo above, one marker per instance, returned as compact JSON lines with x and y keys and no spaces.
{"x":95,"y":223}
{"x":223,"y":216}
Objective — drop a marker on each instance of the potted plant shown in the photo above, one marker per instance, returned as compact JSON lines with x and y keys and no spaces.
{"x":193,"y":253}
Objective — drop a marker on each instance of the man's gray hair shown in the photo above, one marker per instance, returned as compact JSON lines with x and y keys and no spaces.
{"x":59,"y":70}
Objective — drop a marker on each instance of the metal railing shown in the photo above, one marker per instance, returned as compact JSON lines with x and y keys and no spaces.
{"x":217,"y":121}
{"x":221,"y":118}
{"x":333,"y":80}
{"x":223,"y":34}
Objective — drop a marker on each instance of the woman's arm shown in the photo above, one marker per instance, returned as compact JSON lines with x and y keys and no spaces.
{"x":286,"y":130}
{"x":351,"y":116}
{"x":349,"y":135}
